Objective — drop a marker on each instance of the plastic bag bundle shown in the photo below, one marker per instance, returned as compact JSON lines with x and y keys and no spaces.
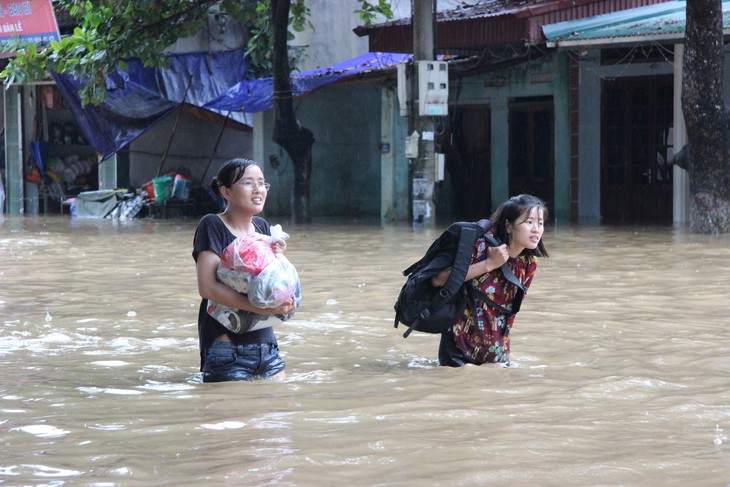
{"x":239,"y":321}
{"x":232,"y":319}
{"x":251,"y":254}
{"x":240,"y":281}
{"x":275,"y":284}
{"x":250,"y":266}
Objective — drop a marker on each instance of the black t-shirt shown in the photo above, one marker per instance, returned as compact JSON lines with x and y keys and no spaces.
{"x":212,"y":234}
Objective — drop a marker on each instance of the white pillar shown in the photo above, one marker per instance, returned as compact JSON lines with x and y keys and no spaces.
{"x":680,"y":197}
{"x":108,"y":173}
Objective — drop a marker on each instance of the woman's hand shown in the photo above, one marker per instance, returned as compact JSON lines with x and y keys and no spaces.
{"x":279,"y":247}
{"x":286,"y":308}
{"x":496,"y":256}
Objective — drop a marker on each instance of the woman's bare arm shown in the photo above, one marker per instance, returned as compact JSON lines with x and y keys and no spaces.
{"x":496,"y":256}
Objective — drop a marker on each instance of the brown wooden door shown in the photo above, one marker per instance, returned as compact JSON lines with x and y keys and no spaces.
{"x":636,"y":145}
{"x":531,"y":149}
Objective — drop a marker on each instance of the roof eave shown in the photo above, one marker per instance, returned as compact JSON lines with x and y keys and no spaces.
{"x":567,"y":44}
{"x":596,"y":42}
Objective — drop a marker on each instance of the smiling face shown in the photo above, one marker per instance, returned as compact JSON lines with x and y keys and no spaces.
{"x":526,"y":231}
{"x":247,"y":194}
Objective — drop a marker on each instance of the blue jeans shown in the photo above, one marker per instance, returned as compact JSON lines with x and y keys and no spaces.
{"x":227,"y":361}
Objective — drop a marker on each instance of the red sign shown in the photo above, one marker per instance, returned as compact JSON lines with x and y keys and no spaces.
{"x":30,"y":20}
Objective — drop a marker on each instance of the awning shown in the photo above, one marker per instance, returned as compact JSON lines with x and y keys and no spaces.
{"x":654,"y":23}
{"x":257,"y":95}
{"x":139,"y":97}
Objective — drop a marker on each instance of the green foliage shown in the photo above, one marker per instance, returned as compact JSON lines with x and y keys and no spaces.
{"x":110,"y":31}
{"x":368,"y":13}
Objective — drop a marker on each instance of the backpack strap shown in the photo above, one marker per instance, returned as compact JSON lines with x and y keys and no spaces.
{"x":516,"y":303}
{"x":453,"y":285}
{"x":407,"y":272}
{"x":477,"y":295}
{"x":484,"y":226}
{"x":508,"y":274}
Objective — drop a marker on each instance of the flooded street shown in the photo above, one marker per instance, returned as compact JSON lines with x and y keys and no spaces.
{"x":620,"y":372}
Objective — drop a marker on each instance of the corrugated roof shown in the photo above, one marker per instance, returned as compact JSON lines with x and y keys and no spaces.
{"x":477,"y":9}
{"x":665,"y":21}
{"x":496,"y":8}
{"x":481,"y":9}
{"x":481,"y":23}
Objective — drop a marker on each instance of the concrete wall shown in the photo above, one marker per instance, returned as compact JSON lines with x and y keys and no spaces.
{"x":346,"y":172}
{"x":332,"y":40}
{"x":211,"y":39}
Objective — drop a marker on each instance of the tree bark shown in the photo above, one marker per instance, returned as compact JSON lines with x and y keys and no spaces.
{"x":704,"y":114}
{"x":296,"y":140}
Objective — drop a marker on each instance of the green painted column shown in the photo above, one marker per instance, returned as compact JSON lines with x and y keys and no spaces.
{"x":387,"y":175}
{"x":561,"y":104}
{"x":13,"y":151}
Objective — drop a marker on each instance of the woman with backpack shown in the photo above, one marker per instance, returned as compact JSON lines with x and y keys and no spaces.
{"x":482,"y":333}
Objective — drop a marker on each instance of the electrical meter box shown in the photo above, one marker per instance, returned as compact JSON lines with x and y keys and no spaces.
{"x":433,"y":88}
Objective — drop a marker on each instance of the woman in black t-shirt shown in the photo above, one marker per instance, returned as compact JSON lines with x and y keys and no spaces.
{"x":226,"y":355}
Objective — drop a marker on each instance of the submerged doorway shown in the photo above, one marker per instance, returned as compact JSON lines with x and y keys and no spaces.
{"x":466,"y":141}
{"x":531,"y":150}
{"x":636,"y":149}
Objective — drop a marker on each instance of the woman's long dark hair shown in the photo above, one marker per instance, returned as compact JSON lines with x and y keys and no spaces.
{"x":510,"y":211}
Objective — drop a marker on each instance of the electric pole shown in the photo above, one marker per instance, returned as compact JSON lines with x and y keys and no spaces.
{"x":423,"y":166}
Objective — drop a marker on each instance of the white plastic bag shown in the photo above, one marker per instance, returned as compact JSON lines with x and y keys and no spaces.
{"x":275,"y":284}
{"x":238,"y":280}
{"x":250,"y":266}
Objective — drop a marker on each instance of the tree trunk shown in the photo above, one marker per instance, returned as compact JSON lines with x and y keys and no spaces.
{"x":296,"y":140}
{"x":704,"y":114}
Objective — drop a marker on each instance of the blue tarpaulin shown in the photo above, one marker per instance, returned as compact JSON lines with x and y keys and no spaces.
{"x":256,"y":96}
{"x":139,"y":97}
{"x":39,"y":149}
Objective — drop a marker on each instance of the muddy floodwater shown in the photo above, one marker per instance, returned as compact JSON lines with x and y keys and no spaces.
{"x":620,"y":366}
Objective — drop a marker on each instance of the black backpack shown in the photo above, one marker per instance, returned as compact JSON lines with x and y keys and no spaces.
{"x":423,"y":307}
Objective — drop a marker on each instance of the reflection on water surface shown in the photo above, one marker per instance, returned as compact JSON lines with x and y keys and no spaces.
{"x":620,"y":372}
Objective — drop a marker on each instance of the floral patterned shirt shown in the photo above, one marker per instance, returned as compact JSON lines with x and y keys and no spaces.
{"x":486,"y":338}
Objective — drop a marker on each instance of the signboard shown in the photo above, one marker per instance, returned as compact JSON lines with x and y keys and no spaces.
{"x":30,"y":20}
